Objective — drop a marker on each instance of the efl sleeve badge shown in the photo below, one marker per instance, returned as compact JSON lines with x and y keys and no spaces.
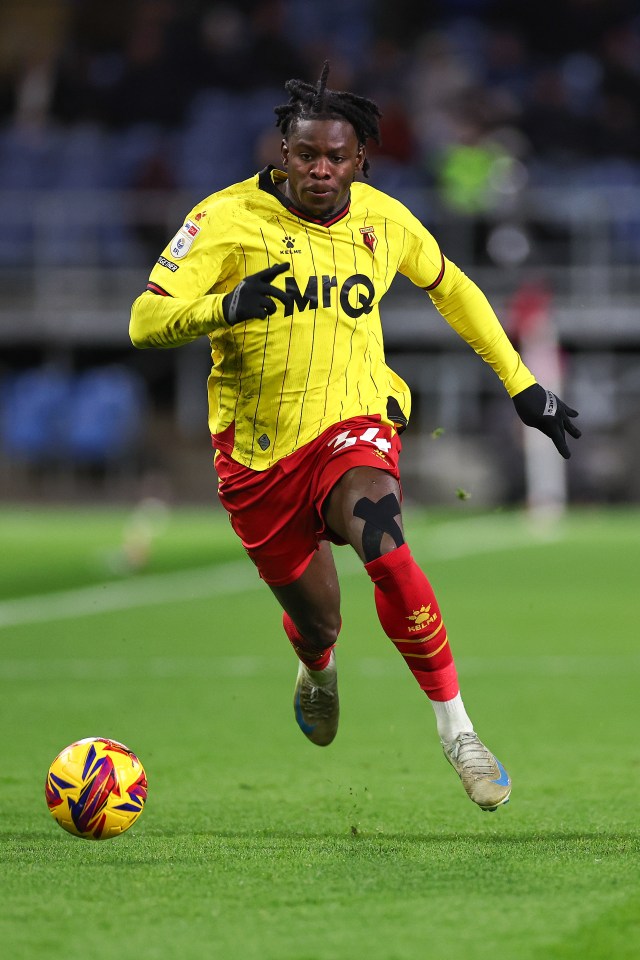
{"x":183,"y":240}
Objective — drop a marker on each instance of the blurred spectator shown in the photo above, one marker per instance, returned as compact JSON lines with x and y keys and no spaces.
{"x":31,"y":36}
{"x":448,"y":74}
{"x":90,"y":61}
{"x":556,"y":131}
{"x":221,"y":53}
{"x":274,"y":59}
{"x":120,"y":66}
{"x":619,"y":107}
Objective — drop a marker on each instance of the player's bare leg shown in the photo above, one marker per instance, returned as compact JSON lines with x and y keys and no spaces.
{"x":312,"y":622}
{"x":364,"y":509}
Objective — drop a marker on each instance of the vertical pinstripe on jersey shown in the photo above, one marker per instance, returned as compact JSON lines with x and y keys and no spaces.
{"x":356,"y":249}
{"x":313,"y":334}
{"x":239,"y":356}
{"x":353,"y":331}
{"x":335,"y":332}
{"x":371,"y":333}
{"x":267,"y":323}
{"x":286,"y":363}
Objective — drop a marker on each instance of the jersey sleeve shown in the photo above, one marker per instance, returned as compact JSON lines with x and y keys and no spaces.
{"x":165,"y":321}
{"x":196,"y":259}
{"x":465,"y":308}
{"x":461,"y":303}
{"x":421,"y":261}
{"x":181,"y":301}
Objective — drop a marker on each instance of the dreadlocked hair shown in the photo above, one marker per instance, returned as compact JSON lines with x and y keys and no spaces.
{"x":309,"y":101}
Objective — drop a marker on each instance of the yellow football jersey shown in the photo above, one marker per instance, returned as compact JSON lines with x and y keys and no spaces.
{"x":277,"y":383}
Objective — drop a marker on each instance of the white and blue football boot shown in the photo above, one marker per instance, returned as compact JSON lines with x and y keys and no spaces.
{"x":315,"y":702}
{"x":484,"y":778}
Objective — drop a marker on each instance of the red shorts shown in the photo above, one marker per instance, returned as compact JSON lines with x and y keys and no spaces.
{"x":277,"y":513}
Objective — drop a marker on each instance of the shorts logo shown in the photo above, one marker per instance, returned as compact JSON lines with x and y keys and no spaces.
{"x":421,"y":618}
{"x":168,"y":264}
{"x":181,"y":243}
{"x":369,"y":237}
{"x":370,"y":435}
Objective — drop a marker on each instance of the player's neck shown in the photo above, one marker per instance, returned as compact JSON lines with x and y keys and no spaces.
{"x":274,"y":181}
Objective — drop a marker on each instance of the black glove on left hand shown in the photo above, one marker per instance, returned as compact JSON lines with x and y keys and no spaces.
{"x":540,"y":408}
{"x":252,"y":299}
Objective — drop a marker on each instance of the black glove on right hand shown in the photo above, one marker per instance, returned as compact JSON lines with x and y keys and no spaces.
{"x":540,"y":408}
{"x":252,"y":298}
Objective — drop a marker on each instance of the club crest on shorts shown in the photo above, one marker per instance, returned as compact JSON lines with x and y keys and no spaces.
{"x":181,"y":243}
{"x":369,"y":237}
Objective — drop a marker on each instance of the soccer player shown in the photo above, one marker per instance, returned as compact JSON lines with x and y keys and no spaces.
{"x":284,"y":273}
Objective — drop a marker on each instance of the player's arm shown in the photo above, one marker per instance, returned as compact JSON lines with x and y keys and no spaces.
{"x":160,"y":320}
{"x":467,"y":310}
{"x":460,"y":302}
{"x":186,"y":288}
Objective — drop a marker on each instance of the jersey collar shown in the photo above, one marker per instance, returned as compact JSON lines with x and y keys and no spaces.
{"x":268,"y":180}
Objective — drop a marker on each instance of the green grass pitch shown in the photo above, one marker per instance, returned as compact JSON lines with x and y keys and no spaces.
{"x":256,"y":845}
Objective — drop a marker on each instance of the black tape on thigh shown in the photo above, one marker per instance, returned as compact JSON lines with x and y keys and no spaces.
{"x":379,"y":518}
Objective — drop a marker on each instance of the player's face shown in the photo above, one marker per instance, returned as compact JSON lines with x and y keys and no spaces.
{"x":321,"y":158}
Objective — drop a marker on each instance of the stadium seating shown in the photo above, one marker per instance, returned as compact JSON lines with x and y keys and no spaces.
{"x":107,"y":410}
{"x":34,"y":415}
{"x":48,"y":417}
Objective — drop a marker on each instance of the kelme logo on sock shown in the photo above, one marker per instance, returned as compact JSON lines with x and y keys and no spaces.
{"x":421,"y":618}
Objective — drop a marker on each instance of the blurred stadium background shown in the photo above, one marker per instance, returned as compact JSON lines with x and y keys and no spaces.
{"x":512,"y":130}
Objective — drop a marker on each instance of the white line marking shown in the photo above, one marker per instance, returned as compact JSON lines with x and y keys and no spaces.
{"x":184,"y":585}
{"x":207,"y":668}
{"x":448,"y":541}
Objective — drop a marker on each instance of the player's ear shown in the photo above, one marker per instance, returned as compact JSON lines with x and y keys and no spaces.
{"x":360,"y":157}
{"x":284,"y":151}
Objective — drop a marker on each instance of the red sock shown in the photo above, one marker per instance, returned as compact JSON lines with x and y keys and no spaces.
{"x":410,"y":617}
{"x":310,"y":658}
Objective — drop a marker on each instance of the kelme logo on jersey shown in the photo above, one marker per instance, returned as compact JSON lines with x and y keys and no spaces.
{"x":289,"y":245}
{"x":355,"y":296}
{"x":369,"y":237}
{"x":181,"y":243}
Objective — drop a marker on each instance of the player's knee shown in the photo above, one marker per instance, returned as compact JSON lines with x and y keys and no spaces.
{"x":321,"y":632}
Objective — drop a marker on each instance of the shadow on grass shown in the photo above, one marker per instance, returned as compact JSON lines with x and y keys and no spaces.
{"x":355,"y":838}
